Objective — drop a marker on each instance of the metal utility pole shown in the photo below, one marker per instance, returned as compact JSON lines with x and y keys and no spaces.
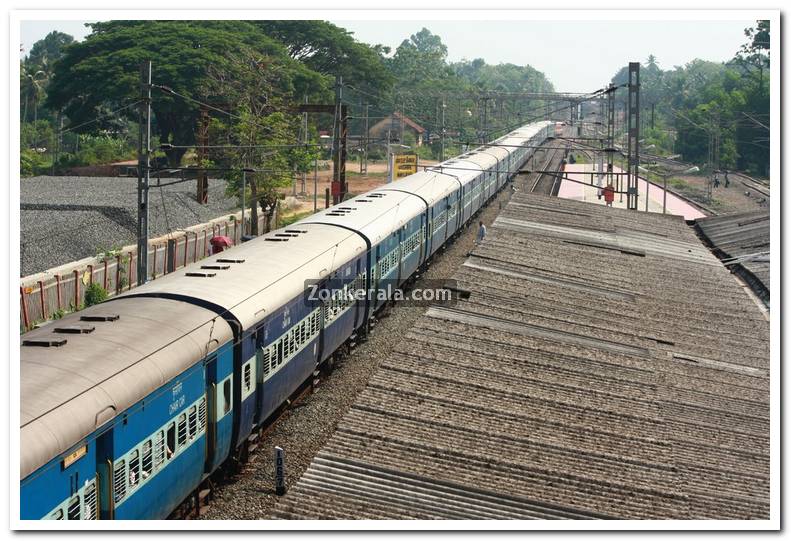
{"x":714,"y":152}
{"x":401,"y":133}
{"x":304,"y":140}
{"x":652,"y":115}
{"x":483,"y":106}
{"x":58,"y":142}
{"x":442,"y":135}
{"x":315,"y":182}
{"x":364,"y":160}
{"x":389,"y":160}
{"x":339,"y":142}
{"x":610,"y":130}
{"x":633,"y":136}
{"x":143,"y":166}
{"x":202,"y":194}
{"x":244,"y":202}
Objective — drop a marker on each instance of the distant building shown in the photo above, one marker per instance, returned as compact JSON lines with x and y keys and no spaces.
{"x":398,"y":124}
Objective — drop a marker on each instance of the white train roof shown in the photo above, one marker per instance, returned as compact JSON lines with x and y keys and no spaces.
{"x":68,"y":391}
{"x":431,"y":184}
{"x":376,"y":214}
{"x":271,"y":270}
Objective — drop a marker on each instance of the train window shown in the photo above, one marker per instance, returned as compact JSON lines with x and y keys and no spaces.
{"x":74,"y":509}
{"x":193,"y":421}
{"x":226,"y":395}
{"x":159,"y":449}
{"x":202,"y":414}
{"x":119,"y":480}
{"x":182,"y":434}
{"x":279,"y":351}
{"x":247,"y":378}
{"x":170,"y":443}
{"x":148,"y":459}
{"x":57,"y":515}
{"x":134,"y":468}
{"x":265,"y":360}
{"x":89,"y":501}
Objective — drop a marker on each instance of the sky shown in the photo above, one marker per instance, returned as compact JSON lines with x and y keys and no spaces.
{"x":576,"y":56}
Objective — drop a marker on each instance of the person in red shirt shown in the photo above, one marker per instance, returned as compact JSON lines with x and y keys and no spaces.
{"x":609,"y":194}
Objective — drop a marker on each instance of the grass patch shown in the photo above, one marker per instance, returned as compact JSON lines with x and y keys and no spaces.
{"x":285,"y":221}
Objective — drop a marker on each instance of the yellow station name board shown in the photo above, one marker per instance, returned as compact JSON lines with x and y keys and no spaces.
{"x":404,"y":165}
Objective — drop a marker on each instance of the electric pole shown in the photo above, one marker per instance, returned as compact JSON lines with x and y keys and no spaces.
{"x":143,"y":166}
{"x":364,"y":161}
{"x":633,"y":137}
{"x":442,"y":135}
{"x":610,"y":131}
{"x":304,"y":140}
{"x":339,"y":143}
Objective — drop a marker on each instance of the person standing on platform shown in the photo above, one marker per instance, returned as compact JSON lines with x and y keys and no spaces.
{"x":609,"y":194}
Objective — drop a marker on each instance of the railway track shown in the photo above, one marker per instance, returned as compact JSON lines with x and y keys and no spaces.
{"x":543,"y":182}
{"x":757,"y":185}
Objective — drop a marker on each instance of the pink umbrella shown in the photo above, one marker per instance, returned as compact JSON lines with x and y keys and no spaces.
{"x":220,"y":243}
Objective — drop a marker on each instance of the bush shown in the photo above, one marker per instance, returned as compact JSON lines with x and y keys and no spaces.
{"x":32,"y":162}
{"x":95,"y":294}
{"x":97,"y":150}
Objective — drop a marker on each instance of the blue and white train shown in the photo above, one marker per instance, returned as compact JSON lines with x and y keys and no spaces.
{"x":128,"y":406}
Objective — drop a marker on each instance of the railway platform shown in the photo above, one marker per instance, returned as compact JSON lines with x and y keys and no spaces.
{"x":588,"y":193}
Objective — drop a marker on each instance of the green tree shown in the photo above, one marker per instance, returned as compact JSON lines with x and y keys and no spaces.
{"x":701,"y":98}
{"x":47,"y":51}
{"x":420,"y":59}
{"x":260,"y":134}
{"x":330,"y":50}
{"x":33,"y":84}
{"x":103,"y":71}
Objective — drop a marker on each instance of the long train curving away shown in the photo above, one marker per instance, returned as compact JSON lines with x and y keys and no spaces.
{"x":138,"y":400}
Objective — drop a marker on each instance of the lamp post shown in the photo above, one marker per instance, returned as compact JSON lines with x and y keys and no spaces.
{"x":665,"y":175}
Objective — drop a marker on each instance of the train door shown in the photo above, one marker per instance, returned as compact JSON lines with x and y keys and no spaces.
{"x":359,"y":304}
{"x":104,"y":474}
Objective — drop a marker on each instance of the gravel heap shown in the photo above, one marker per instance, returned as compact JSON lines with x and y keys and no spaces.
{"x":304,"y":429}
{"x":64,"y":219}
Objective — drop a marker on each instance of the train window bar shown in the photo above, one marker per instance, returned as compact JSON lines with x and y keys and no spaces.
{"x":74,"y":508}
{"x":148,"y":462}
{"x":202,"y":414}
{"x":119,"y":480}
{"x":159,"y":452}
{"x":247,"y":378}
{"x":182,"y":430}
{"x":89,"y":501}
{"x":134,"y":468}
{"x":193,"y":422}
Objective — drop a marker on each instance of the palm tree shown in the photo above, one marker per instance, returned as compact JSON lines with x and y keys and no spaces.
{"x":34,"y":82}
